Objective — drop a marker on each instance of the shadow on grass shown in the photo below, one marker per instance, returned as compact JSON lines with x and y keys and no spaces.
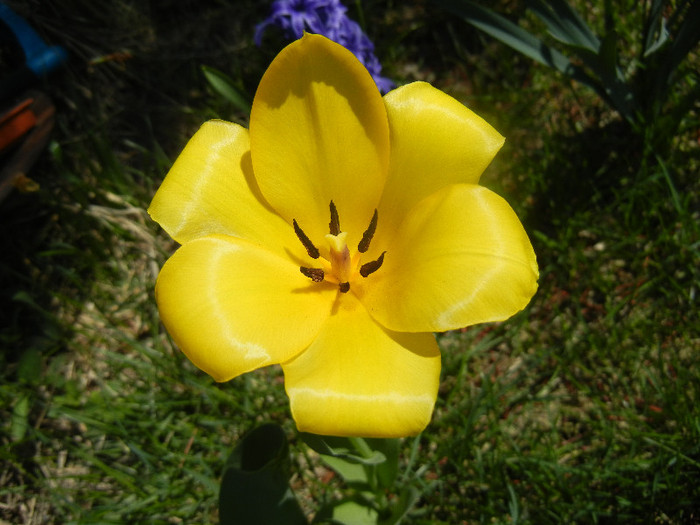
{"x":583,"y":172}
{"x":128,"y":99}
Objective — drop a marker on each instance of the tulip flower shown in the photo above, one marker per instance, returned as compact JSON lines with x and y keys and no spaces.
{"x":334,"y":237}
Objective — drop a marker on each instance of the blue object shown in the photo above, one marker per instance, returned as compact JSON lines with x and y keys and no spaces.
{"x":39,"y":58}
{"x":327,"y":18}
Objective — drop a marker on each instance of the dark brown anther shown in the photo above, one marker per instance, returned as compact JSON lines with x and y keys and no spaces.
{"x":334,"y":225}
{"x":344,"y":287}
{"x":315,"y":274}
{"x":310,"y":248}
{"x":369,"y":233}
{"x":372,"y":266}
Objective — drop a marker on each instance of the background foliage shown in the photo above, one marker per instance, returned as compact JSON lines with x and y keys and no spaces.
{"x":581,"y":409}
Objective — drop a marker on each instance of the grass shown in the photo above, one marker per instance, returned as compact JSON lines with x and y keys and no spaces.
{"x":581,"y":409}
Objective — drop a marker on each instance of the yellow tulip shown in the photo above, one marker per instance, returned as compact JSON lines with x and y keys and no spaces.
{"x":334,"y":237}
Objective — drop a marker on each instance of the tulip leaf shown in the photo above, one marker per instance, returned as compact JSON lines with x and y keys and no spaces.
{"x":350,"y":472}
{"x":255,"y":483}
{"x":354,"y":450}
{"x":387,"y":471}
{"x":349,"y":511}
{"x":407,"y":499}
{"x":353,"y":513}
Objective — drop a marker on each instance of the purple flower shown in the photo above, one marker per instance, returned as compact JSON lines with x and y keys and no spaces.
{"x":327,"y":18}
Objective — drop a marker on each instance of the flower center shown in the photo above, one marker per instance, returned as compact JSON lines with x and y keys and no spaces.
{"x":338,"y":264}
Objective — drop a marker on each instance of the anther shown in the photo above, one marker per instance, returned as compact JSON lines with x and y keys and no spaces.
{"x":344,"y":287}
{"x":334,"y":225}
{"x":372,"y":266}
{"x":369,"y":233}
{"x":315,"y":274}
{"x":310,"y":248}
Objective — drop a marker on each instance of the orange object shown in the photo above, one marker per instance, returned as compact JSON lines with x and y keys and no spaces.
{"x":27,"y":126}
{"x":15,"y":123}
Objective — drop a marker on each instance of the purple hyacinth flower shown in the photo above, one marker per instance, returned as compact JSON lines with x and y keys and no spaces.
{"x":350,"y":35}
{"x":327,"y":18}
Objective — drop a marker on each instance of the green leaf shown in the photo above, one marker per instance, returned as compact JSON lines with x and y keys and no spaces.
{"x":225,"y":86}
{"x":608,"y":55}
{"x":655,"y":25}
{"x":507,"y":32}
{"x":355,"y":510}
{"x":565,"y":24}
{"x":514,"y":36}
{"x":20,"y":418}
{"x":685,"y":40}
{"x":684,"y":36}
{"x":407,"y":499}
{"x":608,"y":84}
{"x":351,"y":472}
{"x":353,"y":513}
{"x":387,"y":471}
{"x":255,"y":484}
{"x":354,"y":450}
{"x":29,"y":367}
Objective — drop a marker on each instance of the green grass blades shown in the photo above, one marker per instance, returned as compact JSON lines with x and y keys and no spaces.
{"x":581,"y":409}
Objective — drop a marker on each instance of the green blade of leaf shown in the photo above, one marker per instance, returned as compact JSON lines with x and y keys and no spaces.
{"x":387,"y":471}
{"x":507,"y":32}
{"x":350,"y":472}
{"x":610,"y":88}
{"x":20,"y":419}
{"x":656,"y":31}
{"x":565,"y":24}
{"x":661,"y":39}
{"x":512,"y":35}
{"x":255,"y":484}
{"x":407,"y":499}
{"x":683,"y":26}
{"x":353,"y":513}
{"x":225,"y":86}
{"x":619,"y":94}
{"x":349,"y":511}
{"x":686,"y":39}
{"x":349,"y":449}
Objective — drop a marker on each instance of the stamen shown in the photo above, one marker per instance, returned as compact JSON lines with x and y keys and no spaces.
{"x":372,"y":266}
{"x":310,"y":248}
{"x":369,"y":233}
{"x":344,"y":287}
{"x":315,"y":274}
{"x":334,"y":225}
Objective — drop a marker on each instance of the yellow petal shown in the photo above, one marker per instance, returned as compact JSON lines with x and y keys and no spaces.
{"x":211,"y":190}
{"x":435,"y":141}
{"x":358,"y":379}
{"x":460,"y":258}
{"x":319,"y":132}
{"x":232,"y":306}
